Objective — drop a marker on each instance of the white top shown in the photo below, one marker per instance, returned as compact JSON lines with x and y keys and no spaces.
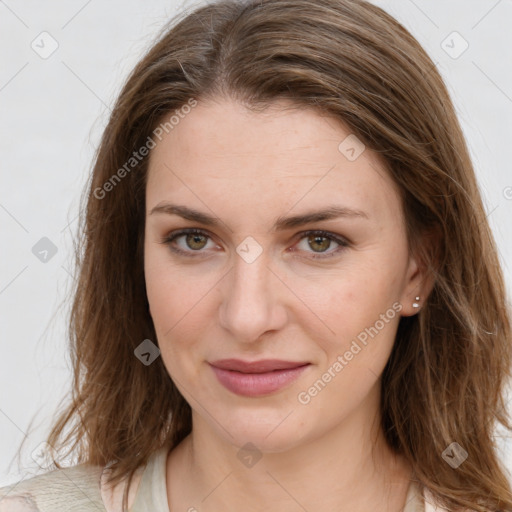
{"x":82,"y":488}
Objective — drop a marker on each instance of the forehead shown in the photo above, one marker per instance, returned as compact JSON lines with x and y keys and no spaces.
{"x":225,"y":156}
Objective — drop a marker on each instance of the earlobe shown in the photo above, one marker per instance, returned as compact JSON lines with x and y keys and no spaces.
{"x":418,"y":287}
{"x":414,"y":307}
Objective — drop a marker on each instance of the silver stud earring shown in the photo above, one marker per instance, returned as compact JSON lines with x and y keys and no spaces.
{"x":415,"y":304}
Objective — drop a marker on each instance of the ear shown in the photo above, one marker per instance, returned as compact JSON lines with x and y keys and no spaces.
{"x":419,"y":282}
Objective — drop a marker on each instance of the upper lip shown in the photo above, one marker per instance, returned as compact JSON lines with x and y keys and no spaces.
{"x":261,"y":366}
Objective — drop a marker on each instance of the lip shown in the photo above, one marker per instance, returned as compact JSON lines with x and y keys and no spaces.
{"x":256,"y":378}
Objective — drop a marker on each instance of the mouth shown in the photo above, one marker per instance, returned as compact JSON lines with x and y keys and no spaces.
{"x":257,"y":378}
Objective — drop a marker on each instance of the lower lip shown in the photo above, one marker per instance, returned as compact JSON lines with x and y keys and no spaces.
{"x":257,"y":384}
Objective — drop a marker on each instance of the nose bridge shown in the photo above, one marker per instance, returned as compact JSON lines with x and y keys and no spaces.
{"x":250,"y":303}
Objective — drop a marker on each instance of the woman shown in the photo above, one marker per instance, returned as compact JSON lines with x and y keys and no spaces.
{"x":288,"y":291}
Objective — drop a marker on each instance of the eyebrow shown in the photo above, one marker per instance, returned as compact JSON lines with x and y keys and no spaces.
{"x":282,"y":223}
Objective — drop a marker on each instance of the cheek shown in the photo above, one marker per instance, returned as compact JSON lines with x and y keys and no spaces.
{"x":365,"y":323}
{"x":171,"y":291}
{"x":174,"y":306}
{"x":360,"y":307}
{"x":179,"y":309}
{"x":169,"y":314}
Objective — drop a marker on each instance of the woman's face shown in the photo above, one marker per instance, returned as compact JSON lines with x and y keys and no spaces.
{"x":299,"y":254}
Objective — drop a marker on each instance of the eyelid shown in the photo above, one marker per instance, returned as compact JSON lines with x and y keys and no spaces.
{"x":342,"y":241}
{"x":168,"y":239}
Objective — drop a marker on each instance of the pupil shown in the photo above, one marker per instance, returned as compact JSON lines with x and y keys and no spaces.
{"x":316,"y":240}
{"x":194,"y":238}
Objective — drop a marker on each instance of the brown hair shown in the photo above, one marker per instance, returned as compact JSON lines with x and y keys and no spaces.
{"x":444,"y":380}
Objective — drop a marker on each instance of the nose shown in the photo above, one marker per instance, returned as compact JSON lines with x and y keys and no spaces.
{"x":252,"y":300}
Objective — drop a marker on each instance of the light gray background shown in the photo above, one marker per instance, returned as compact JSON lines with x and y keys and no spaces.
{"x":53,"y":111}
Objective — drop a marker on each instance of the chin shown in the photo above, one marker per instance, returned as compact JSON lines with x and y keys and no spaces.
{"x":269,"y":432}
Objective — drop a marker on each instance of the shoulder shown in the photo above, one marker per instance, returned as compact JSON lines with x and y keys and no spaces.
{"x":72,"y":488}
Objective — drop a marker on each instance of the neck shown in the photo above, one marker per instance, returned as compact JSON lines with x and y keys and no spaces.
{"x":350,"y":468}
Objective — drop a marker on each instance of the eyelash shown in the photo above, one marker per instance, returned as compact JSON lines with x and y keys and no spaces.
{"x":343,"y":244}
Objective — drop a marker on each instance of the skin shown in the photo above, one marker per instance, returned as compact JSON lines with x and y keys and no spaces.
{"x":248,"y":169}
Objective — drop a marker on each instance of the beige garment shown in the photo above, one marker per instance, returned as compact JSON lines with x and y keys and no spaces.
{"x":152,"y":491}
{"x":83,"y":489}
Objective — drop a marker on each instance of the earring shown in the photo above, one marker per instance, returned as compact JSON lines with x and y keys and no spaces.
{"x":415,"y":304}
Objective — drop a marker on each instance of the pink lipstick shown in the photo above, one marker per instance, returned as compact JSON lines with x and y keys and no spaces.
{"x":256,"y":378}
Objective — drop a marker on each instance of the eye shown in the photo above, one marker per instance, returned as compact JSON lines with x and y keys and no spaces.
{"x":320,"y":241}
{"x":194,"y":240}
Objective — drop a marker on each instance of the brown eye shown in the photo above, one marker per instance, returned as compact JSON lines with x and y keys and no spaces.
{"x":196,"y":241}
{"x":319,"y":243}
{"x":188,"y":242}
